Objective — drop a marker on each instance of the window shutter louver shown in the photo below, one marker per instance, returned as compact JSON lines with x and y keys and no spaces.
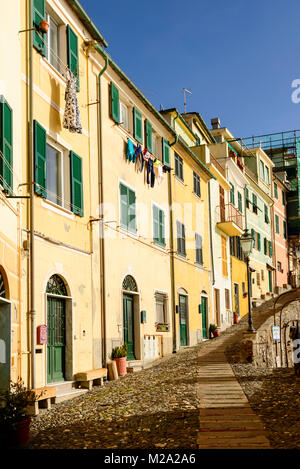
{"x":253,"y":236}
{"x":131,"y":211}
{"x":162,"y":227}
{"x":40,"y":159}
{"x":148,"y":136}
{"x":76,"y":184}
{"x":138,"y":127}
{"x":258,"y":241}
{"x":166,"y":152}
{"x":265,"y":246}
{"x":155,"y":224}
{"x":114,"y":103}
{"x":270,"y":249}
{"x":123,"y":199}
{"x":72,"y":47}
{"x":6,"y":146}
{"x":38,"y":15}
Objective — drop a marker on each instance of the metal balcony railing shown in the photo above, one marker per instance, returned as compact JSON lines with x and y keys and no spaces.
{"x":217,"y":165}
{"x":228,"y":213}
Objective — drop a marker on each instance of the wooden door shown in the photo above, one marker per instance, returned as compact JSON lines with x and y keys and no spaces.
{"x":183,"y":319}
{"x":204,"y":316}
{"x":56,"y":339}
{"x":217,"y":306}
{"x":222,"y":204}
{"x":128,"y":325}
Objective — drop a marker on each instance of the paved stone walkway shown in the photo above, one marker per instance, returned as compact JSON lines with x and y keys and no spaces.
{"x":226,"y":418}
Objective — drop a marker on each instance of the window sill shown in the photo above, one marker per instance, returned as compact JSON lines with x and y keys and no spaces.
{"x":56,"y":74}
{"x":57,"y":209}
{"x":181,"y":181}
{"x":127,"y":232}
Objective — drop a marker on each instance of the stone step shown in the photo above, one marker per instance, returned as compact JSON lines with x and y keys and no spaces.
{"x":69,"y":395}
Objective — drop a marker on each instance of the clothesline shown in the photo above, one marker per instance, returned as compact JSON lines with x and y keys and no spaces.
{"x":136,"y":154}
{"x":64,"y":67}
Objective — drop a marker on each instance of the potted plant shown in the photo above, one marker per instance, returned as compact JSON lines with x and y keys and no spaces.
{"x":119,"y":355}
{"x":14,"y":417}
{"x":235,"y":318}
{"x":44,"y":26}
{"x":215,"y":331}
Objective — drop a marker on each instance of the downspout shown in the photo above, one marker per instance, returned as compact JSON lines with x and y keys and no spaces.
{"x":31,"y":203}
{"x":101,"y":197}
{"x":173,"y":296}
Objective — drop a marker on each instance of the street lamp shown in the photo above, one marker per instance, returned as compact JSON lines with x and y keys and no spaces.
{"x":247,"y":241}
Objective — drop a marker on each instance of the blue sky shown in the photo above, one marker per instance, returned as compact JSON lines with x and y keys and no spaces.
{"x":238,"y":58}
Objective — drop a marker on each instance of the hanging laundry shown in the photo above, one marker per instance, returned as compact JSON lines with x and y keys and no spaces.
{"x":166,"y":168}
{"x":146,"y":154}
{"x":141,"y":162}
{"x":130,"y":150}
{"x":137,"y":153}
{"x":150,"y":173}
{"x":71,"y":119}
{"x":160,"y":173}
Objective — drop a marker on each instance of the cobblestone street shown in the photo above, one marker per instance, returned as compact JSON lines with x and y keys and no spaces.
{"x":198,"y":398}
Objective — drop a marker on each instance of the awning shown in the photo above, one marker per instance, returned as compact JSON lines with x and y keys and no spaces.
{"x":270,"y":267}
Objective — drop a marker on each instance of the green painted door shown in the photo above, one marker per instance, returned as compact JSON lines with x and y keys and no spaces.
{"x":204,"y":316}
{"x":270,"y":281}
{"x":128,"y":321}
{"x":56,"y":339}
{"x":183,"y":319}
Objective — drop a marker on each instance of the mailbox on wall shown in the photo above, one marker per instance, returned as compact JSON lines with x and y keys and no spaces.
{"x":42,"y":334}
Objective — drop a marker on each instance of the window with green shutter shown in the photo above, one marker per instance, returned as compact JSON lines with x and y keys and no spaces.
{"x":247,"y":198}
{"x":6,"y":145}
{"x":199,"y":249}
{"x":270,"y":249}
{"x":240,"y":202}
{"x":178,"y":166}
{"x":148,"y":135}
{"x":38,"y":15}
{"x":266,"y":214}
{"x":114,"y":103}
{"x":275,"y":190}
{"x":283,"y":197}
{"x":138,"y":125}
{"x":166,"y":152}
{"x":258,"y":242}
{"x":72,"y":50}
{"x":284,"y":229}
{"x":254,"y":203}
{"x":277,"y":224}
{"x":158,"y":226}
{"x":76,"y":184}
{"x":253,"y":236}
{"x":127,"y":208}
{"x":231,"y":195}
{"x":265,"y":246}
{"x":180,"y":239}
{"x":40,"y":159}
{"x":196,"y":184}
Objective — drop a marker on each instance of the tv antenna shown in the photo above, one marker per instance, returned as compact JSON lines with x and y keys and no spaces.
{"x":184,"y":94}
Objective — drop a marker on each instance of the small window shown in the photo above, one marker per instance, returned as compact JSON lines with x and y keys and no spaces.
{"x":240,"y":202}
{"x":279,"y":266}
{"x":277,"y":224}
{"x":158,"y":226}
{"x":124,"y":116}
{"x":161,"y":308}
{"x":262,"y":170}
{"x":58,"y":175}
{"x":267,"y":175}
{"x":254,"y":203}
{"x":178,"y":166}
{"x":128,"y":208}
{"x":180,"y":239}
{"x":275,"y":190}
{"x":199,"y":249}
{"x":227,"y":299}
{"x":196,"y":181}
{"x":231,"y":195}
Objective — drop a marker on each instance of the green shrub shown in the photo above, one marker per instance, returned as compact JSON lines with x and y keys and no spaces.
{"x":119,"y":352}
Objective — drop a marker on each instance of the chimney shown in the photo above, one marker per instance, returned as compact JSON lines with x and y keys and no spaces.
{"x":215,"y":123}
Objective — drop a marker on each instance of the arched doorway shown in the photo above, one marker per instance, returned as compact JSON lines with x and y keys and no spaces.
{"x":130,"y":289}
{"x":5,"y":332}
{"x":3,"y":285}
{"x":56,"y":321}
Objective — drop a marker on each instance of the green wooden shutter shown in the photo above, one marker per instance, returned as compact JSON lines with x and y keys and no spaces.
{"x":270,"y":249}
{"x":6,"y":145}
{"x":131,"y":211}
{"x":232,"y":201}
{"x":166,"y":152}
{"x":138,"y":127}
{"x":38,"y":15}
{"x":284,"y":229}
{"x":283,"y":197}
{"x":114,"y":103}
{"x":277,"y":224}
{"x":258,"y":242}
{"x":76,"y":184}
{"x":40,"y":159}
{"x":265,"y":246}
{"x":253,"y":236}
{"x":240,"y":203}
{"x":72,"y":48}
{"x":162,"y":227}
{"x":148,"y":129}
{"x":275,"y":190}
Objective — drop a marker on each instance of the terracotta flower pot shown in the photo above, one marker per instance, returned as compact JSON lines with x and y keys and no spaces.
{"x":121,"y":366}
{"x":21,"y":433}
{"x":235,"y":318}
{"x":44,"y":26}
{"x":216,"y":333}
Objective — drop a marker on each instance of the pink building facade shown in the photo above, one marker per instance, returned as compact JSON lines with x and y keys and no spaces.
{"x":281,"y":251}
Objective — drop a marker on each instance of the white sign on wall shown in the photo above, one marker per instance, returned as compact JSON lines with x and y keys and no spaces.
{"x":276,"y":333}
